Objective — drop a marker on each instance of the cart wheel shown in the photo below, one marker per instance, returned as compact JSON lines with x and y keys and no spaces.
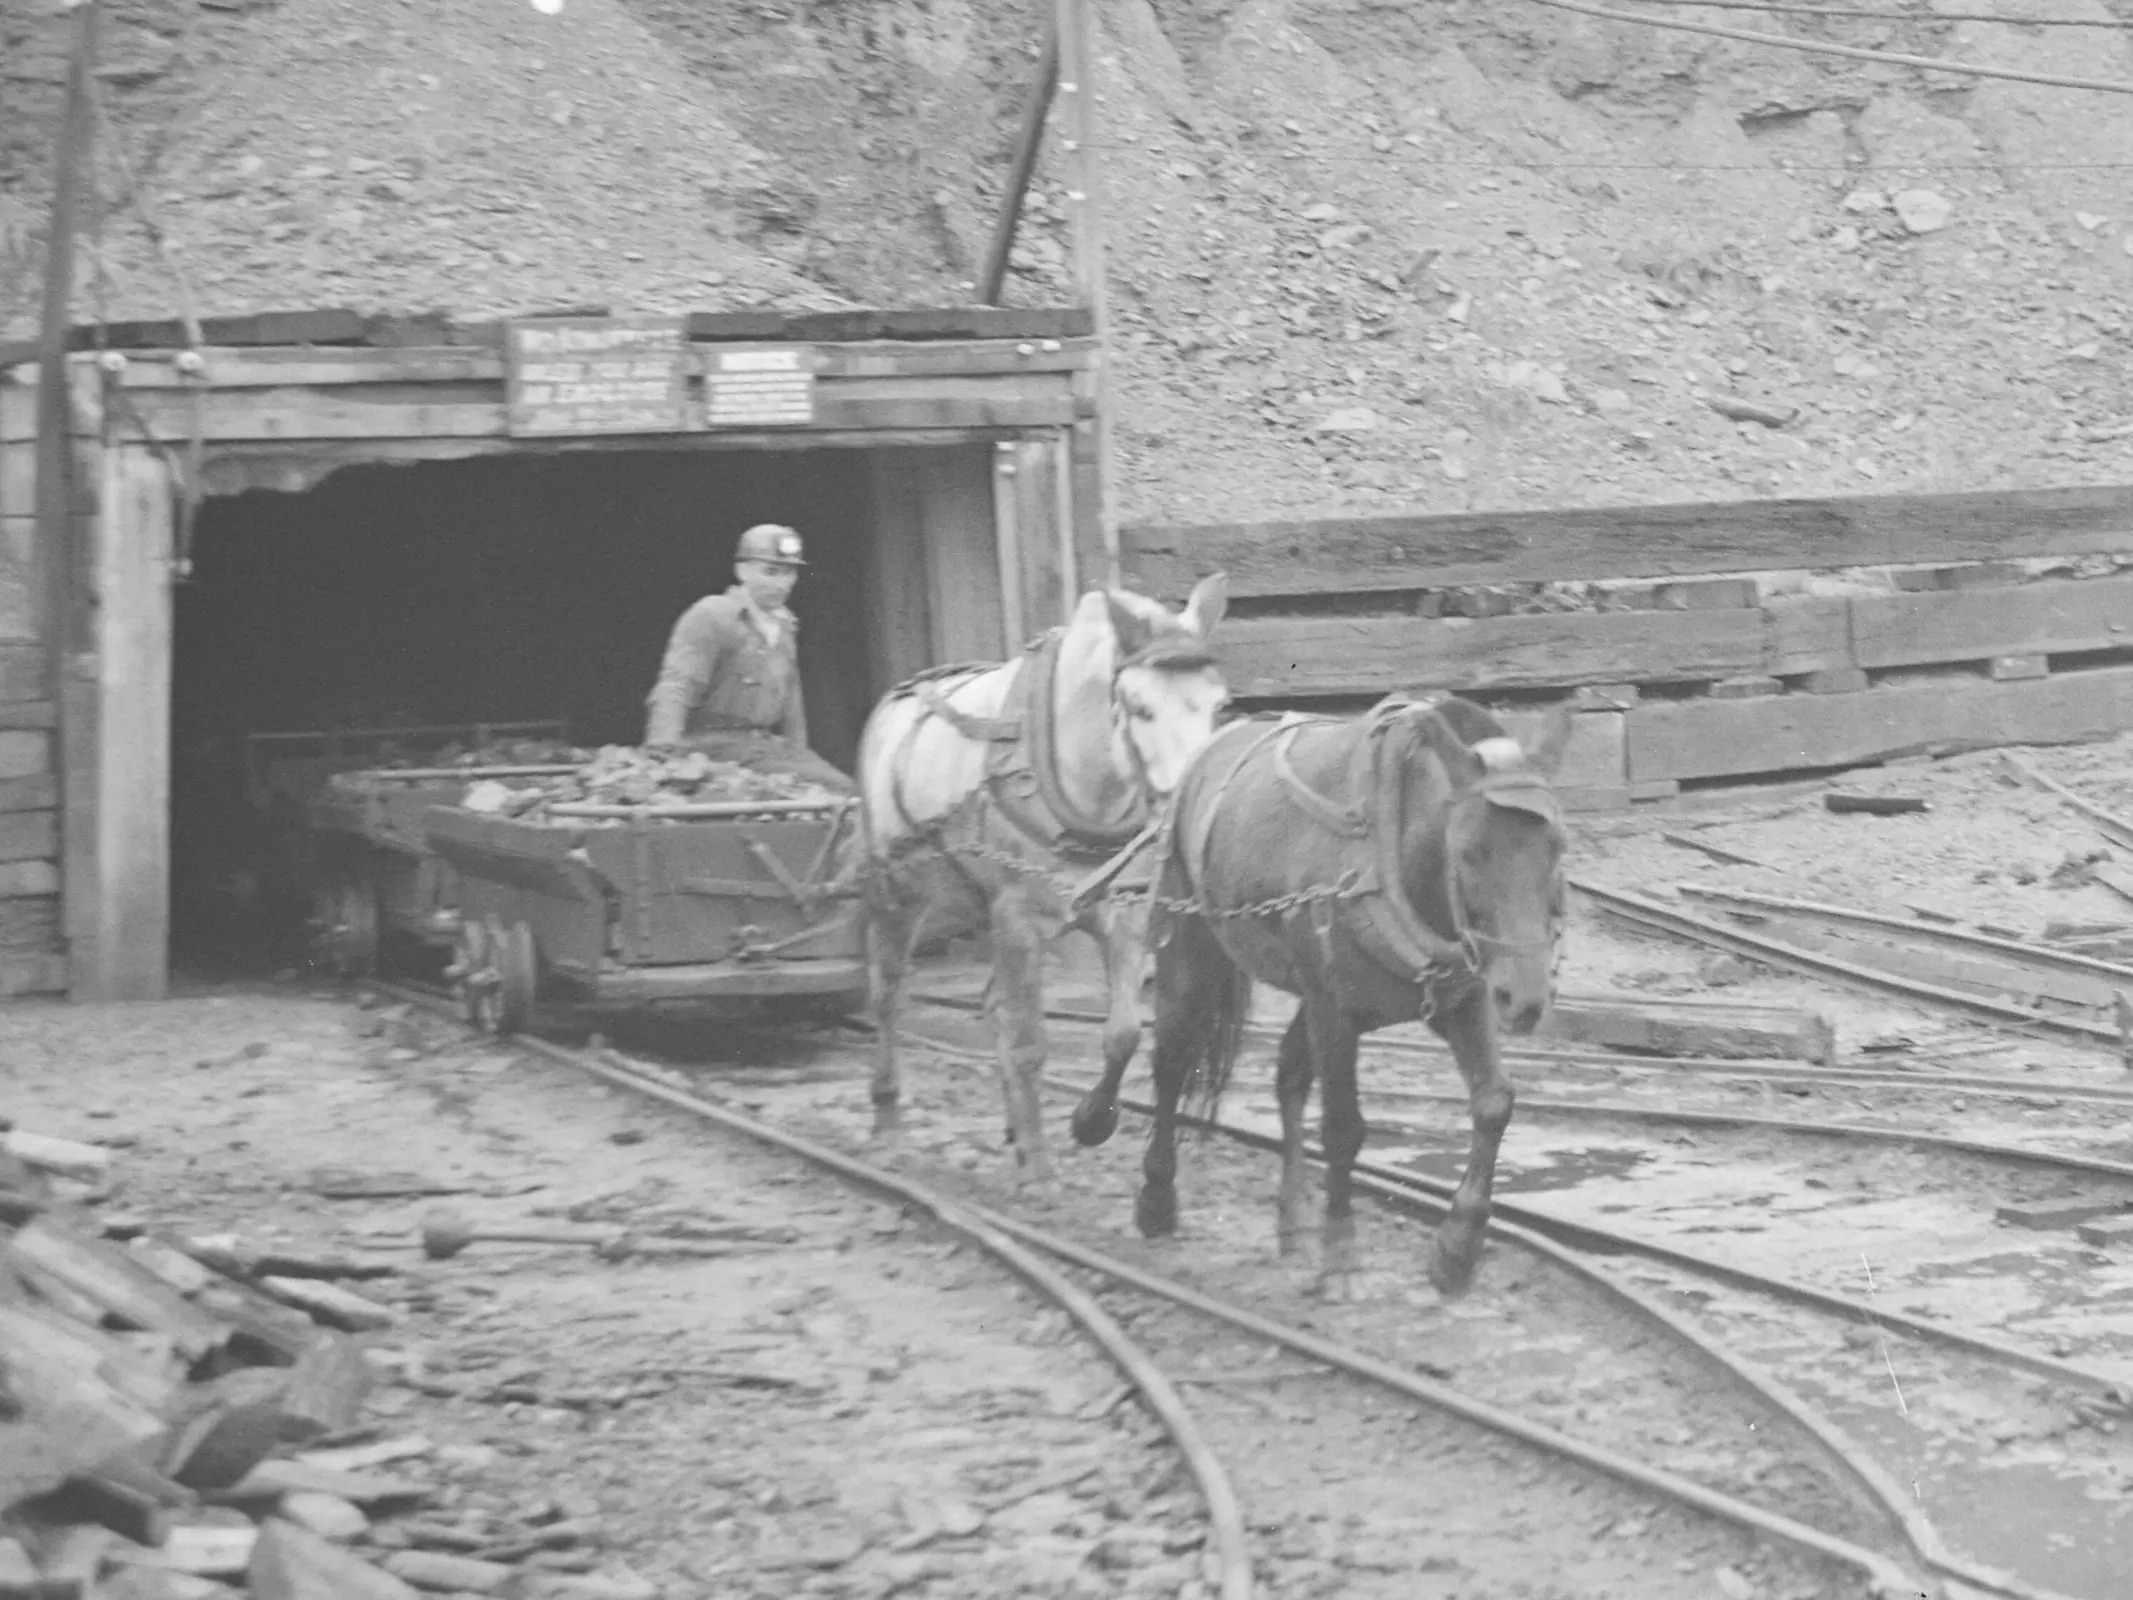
{"x":517,"y":976}
{"x":347,"y":923}
{"x":473,"y":974}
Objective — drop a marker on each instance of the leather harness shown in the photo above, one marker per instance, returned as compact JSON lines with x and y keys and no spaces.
{"x":1022,"y":761}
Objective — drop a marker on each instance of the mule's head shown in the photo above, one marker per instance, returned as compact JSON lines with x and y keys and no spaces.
{"x":1505,"y":843}
{"x":1166,"y":691}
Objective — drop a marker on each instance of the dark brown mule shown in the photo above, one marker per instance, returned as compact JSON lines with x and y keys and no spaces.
{"x":1401,"y":865}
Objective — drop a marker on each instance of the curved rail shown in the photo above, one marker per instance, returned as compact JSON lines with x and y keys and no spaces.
{"x":992,"y":1234}
{"x":2103,"y":1386}
{"x":1759,"y":1067}
{"x":2084,"y":1165}
{"x":993,"y":1231}
{"x":1524,"y":1229}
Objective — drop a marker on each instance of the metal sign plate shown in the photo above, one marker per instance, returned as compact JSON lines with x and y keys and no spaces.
{"x":597,"y":375}
{"x":759,"y":386}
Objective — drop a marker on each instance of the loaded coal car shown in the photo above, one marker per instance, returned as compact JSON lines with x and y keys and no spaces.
{"x":645,"y":877}
{"x":376,"y":879}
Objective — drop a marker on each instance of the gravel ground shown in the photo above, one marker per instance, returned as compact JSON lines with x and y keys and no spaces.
{"x":1366,"y":256}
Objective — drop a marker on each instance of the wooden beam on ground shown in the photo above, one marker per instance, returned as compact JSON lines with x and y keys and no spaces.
{"x":2119,"y":830}
{"x":1727,"y":1029}
{"x":2052,"y":618}
{"x":1452,"y":549}
{"x":1778,"y":733}
{"x":1273,"y":656}
{"x":1028,"y":138}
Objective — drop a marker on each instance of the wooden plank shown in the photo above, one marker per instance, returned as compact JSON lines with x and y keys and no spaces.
{"x":2052,"y":618}
{"x":962,"y":563}
{"x":22,"y":672}
{"x":18,"y":477}
{"x":1725,"y":1029}
{"x":22,"y":714}
{"x":1350,"y":655}
{"x":328,"y":326}
{"x":28,"y":878}
{"x":130,"y":924}
{"x":29,"y":926}
{"x":29,"y":835}
{"x":24,"y":752}
{"x":900,"y":634}
{"x":1030,"y":490}
{"x":1596,"y":756}
{"x":951,"y":322}
{"x":449,"y":410}
{"x":27,"y":975}
{"x":336,"y":366}
{"x":35,"y":792}
{"x":1731,"y":738}
{"x":1807,"y":633}
{"x":21,"y":608}
{"x":1629,"y":541}
{"x":1007,"y":552}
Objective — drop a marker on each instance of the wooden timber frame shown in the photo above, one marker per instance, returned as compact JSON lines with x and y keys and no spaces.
{"x":281,"y":401}
{"x":1702,"y":643}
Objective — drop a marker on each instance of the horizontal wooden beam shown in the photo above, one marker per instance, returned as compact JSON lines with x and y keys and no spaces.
{"x":2051,"y":618}
{"x":29,"y":835}
{"x":475,"y":410}
{"x":1276,"y":656}
{"x":39,"y":791}
{"x":22,"y":672}
{"x":340,"y":326}
{"x":28,"y":714}
{"x":237,"y":368}
{"x":1785,"y":732}
{"x":1628,"y":541}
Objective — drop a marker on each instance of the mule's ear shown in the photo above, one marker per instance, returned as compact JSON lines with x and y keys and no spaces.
{"x":1210,"y":599}
{"x":1132,"y":629}
{"x":1545,"y":753}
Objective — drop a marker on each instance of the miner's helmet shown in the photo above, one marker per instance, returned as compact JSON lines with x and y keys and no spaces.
{"x":767,"y":541}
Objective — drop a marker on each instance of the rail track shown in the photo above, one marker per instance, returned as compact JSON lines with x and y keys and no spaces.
{"x":1010,"y":1240}
{"x":1392,"y":1182}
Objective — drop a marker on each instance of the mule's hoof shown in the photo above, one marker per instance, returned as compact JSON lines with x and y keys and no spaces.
{"x":1336,"y":1286}
{"x":1094,"y":1122}
{"x":888,"y":1125}
{"x":1451,"y":1269}
{"x":1155,"y":1213}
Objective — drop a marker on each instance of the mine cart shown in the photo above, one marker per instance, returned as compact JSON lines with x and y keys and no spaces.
{"x":634,"y":904}
{"x":376,"y":873}
{"x":283,"y":771}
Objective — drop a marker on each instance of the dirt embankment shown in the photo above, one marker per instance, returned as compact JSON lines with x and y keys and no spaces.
{"x":1366,"y":256}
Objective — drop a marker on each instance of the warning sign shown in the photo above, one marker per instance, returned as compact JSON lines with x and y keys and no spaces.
{"x":598,"y":375}
{"x":759,"y":386}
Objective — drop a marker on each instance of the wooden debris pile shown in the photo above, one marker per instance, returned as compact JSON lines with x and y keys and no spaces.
{"x":169,"y":1406}
{"x":625,"y":775}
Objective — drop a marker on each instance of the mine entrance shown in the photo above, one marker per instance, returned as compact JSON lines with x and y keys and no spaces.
{"x":535,"y":587}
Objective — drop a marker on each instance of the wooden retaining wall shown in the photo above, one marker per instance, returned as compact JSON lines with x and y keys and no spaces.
{"x":1698,"y":642}
{"x":31,"y":949}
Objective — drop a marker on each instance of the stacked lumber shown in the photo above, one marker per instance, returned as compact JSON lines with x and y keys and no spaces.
{"x":1716,"y":642}
{"x":149,"y":1401}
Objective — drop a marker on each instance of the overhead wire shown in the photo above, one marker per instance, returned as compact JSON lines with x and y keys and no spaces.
{"x":2000,"y":17}
{"x":1891,"y":58}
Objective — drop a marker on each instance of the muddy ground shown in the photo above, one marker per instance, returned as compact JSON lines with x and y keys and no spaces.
{"x":870,"y":1410}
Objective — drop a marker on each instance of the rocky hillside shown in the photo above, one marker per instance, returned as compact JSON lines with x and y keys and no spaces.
{"x":1368,"y":255}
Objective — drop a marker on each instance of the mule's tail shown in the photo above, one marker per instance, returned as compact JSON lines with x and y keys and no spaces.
{"x":1217,"y":1039}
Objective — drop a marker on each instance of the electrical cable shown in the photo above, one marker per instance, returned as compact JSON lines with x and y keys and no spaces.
{"x":1890,"y":58}
{"x":2000,"y":17}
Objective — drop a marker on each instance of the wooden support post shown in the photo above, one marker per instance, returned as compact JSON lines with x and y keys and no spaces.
{"x":1096,"y":522}
{"x":56,"y":476}
{"x":1015,"y":621}
{"x":127,"y":931}
{"x":1034,"y":110}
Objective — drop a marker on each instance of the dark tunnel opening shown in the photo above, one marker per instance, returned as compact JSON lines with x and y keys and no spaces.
{"x":500,"y":589}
